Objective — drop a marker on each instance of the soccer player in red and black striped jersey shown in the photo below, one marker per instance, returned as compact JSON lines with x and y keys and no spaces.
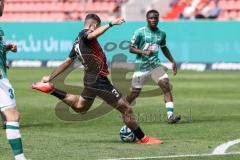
{"x":87,"y":50}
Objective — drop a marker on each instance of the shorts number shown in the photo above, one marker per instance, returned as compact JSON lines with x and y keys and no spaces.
{"x":11,"y":93}
{"x":114,"y":91}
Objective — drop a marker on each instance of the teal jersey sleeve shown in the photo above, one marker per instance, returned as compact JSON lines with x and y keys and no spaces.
{"x":163,"y":42}
{"x":3,"y":59}
{"x":136,"y":39}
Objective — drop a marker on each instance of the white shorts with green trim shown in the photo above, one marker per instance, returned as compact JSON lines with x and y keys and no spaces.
{"x":140,"y":77}
{"x":7,"y":96}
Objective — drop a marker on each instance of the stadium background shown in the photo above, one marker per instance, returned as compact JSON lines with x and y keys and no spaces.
{"x":209,"y":101}
{"x":43,"y":30}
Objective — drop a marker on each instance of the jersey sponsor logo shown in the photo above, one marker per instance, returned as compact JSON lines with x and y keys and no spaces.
{"x":153,"y":47}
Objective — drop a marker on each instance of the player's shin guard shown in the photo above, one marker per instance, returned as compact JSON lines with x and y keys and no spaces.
{"x":169,"y":107}
{"x":14,"y":139}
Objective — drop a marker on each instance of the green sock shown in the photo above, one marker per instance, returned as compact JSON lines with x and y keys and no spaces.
{"x":14,"y":139}
{"x":169,"y":107}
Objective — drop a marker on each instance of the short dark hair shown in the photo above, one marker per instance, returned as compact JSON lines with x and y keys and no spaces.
{"x":152,"y":11}
{"x":94,"y":17}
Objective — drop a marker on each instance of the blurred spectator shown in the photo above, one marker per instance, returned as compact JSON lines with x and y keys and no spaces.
{"x":73,"y":16}
{"x":177,"y":9}
{"x":208,"y":10}
{"x":201,"y":9}
{"x":173,"y":3}
{"x":215,"y":10}
{"x":190,"y":9}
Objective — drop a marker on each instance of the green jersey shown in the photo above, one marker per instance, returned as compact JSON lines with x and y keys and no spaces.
{"x":146,"y":39}
{"x":3,"y":69}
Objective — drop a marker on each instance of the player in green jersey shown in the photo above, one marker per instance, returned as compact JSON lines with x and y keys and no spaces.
{"x":146,"y":43}
{"x":7,"y":99}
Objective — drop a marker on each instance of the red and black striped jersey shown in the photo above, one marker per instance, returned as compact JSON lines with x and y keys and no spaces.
{"x":90,"y":53}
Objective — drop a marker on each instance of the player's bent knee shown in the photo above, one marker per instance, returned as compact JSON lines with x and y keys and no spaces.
{"x":81,"y":108}
{"x":77,"y":106}
{"x":136,"y":92}
{"x":164,"y":85}
{"x":16,"y":116}
{"x":164,"y":81}
{"x":12,"y":115}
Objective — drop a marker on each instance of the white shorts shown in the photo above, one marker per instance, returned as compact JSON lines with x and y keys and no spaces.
{"x":140,"y":77}
{"x":7,"y":96}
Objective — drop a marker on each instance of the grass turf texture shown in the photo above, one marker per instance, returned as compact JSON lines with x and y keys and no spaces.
{"x":209,"y":102}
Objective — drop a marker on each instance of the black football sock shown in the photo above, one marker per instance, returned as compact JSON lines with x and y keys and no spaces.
{"x":138,"y":133}
{"x":59,"y":94}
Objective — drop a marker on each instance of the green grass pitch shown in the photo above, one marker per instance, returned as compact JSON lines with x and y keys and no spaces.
{"x":208,"y":101}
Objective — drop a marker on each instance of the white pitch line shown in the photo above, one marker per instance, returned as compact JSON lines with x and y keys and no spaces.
{"x":223,"y":147}
{"x":175,"y":156}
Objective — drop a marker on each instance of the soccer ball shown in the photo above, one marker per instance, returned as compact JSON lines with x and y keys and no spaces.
{"x":127,"y":135}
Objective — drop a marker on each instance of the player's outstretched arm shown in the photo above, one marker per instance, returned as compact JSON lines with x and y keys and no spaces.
{"x":11,"y":47}
{"x":99,"y":31}
{"x":57,"y":71}
{"x":168,"y":55}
